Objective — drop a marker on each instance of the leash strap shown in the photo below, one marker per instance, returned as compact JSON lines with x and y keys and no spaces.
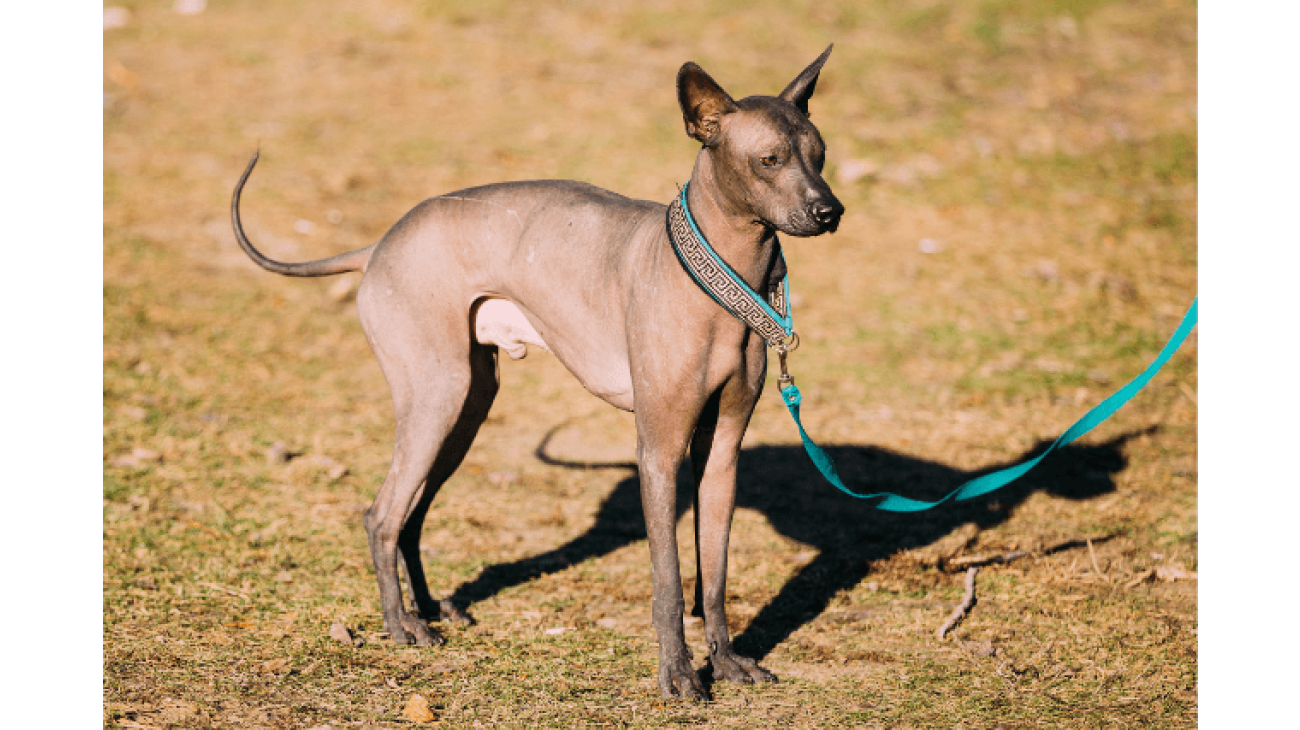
{"x":774,"y":322}
{"x":1002,"y":477}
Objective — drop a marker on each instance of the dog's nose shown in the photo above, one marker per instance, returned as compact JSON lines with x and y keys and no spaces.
{"x":827,"y":213}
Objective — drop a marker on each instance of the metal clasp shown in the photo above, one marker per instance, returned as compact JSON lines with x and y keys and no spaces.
{"x":784,"y":348}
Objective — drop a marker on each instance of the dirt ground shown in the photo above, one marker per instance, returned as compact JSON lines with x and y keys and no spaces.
{"x":1021,"y":186}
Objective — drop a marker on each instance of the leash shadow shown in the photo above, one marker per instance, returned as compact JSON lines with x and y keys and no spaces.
{"x":848,"y":534}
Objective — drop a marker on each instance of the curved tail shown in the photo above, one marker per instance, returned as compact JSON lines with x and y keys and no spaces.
{"x":352,"y":261}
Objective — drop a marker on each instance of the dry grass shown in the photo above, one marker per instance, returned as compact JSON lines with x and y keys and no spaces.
{"x":1048,"y":150}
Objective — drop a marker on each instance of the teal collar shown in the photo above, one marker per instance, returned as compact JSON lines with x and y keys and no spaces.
{"x":770,"y":317}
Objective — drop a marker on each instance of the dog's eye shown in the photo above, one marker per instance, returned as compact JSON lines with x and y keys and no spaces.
{"x":769,"y":161}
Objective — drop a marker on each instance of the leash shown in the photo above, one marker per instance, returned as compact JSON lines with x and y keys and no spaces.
{"x":773,"y":320}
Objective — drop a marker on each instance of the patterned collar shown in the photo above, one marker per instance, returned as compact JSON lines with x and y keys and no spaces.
{"x":771,"y":318}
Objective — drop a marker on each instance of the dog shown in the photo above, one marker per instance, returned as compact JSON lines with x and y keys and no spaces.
{"x":590,"y":276}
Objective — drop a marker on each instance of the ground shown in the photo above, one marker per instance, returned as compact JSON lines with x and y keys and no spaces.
{"x":1021,"y":186}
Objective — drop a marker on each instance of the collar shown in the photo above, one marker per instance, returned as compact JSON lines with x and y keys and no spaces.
{"x":770,"y":317}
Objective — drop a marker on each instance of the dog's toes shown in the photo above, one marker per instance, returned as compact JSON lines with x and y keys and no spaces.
{"x":447,"y":611}
{"x":691,"y":689}
{"x":759,"y":674}
{"x":398,"y":634}
{"x":684,"y":682}
{"x":419,"y":632}
{"x":753,"y":672}
{"x":733,"y":667}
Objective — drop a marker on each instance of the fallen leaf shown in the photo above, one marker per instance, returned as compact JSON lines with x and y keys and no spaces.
{"x":339,"y":632}
{"x":418,"y":710}
{"x":275,"y":666}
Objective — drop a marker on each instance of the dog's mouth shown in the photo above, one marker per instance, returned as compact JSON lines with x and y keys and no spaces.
{"x":809,"y":223}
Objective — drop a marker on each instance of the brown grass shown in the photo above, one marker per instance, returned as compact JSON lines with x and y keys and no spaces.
{"x":1047,"y":149}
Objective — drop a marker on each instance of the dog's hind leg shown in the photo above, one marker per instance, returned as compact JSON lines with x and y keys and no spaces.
{"x":442,"y":386}
{"x":482,"y":391}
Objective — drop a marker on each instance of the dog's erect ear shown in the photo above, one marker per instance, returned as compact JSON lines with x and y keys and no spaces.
{"x":703,"y":103}
{"x":801,"y":89}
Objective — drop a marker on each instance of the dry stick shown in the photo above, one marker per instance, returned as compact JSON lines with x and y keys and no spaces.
{"x":978,"y":560}
{"x":966,"y":602}
{"x":966,"y":561}
{"x":1092,"y":555}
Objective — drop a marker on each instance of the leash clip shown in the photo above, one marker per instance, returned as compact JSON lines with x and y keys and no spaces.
{"x":783,"y":348}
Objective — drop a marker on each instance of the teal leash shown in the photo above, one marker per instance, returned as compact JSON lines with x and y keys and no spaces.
{"x":775,"y":323}
{"x":998,"y":479}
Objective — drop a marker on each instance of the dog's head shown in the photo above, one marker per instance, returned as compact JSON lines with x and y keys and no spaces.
{"x":766,"y":154}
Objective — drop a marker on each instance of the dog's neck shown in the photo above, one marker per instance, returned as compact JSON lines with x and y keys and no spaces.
{"x":746,"y":244}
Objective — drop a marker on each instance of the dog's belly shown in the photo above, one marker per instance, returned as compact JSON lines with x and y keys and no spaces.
{"x":500,"y":322}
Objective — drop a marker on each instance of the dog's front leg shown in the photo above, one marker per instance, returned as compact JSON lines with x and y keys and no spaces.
{"x":662,"y":434}
{"x":715,"y":452}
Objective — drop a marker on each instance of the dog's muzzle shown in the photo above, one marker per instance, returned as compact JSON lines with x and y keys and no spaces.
{"x":826,"y":214}
{"x":820,"y":216}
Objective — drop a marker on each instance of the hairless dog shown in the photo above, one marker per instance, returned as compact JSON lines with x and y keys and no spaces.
{"x":590,"y":276}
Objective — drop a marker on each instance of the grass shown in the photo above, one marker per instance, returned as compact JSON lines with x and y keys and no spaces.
{"x":1047,"y":150}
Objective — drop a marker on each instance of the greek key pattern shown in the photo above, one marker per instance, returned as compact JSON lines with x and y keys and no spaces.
{"x":734,"y":296}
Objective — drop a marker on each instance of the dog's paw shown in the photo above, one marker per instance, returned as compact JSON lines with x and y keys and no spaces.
{"x":410,"y":629}
{"x":678,"y":679}
{"x":447,"y":611}
{"x":732,"y":667}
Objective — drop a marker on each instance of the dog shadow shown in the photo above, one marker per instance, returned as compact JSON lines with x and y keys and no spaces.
{"x":848,"y":534}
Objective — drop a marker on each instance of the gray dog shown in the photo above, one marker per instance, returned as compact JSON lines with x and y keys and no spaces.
{"x":590,"y":276}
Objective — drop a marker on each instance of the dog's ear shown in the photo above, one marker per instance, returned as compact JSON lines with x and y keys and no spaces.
{"x":703,"y":103}
{"x":801,"y":89}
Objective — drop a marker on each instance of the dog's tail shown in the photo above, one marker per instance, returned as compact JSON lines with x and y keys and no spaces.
{"x":352,"y":261}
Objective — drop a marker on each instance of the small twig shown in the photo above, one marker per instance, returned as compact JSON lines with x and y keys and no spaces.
{"x":974,"y":561}
{"x":1092,"y":555}
{"x":952,"y":565}
{"x":966,"y":602}
{"x":1141,"y":578}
